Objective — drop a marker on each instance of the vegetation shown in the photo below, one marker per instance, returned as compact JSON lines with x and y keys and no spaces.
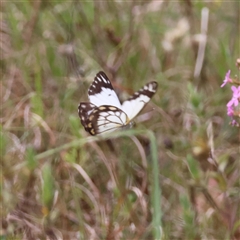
{"x":175,"y":175}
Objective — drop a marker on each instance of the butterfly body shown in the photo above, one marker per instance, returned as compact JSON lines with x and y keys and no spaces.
{"x":104,"y":113}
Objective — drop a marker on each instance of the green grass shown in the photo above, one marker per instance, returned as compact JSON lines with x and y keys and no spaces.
{"x":174,"y":176}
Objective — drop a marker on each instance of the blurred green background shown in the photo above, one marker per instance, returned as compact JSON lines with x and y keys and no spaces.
{"x":175,"y":176}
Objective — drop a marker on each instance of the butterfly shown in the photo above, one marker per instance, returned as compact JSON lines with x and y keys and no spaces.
{"x":104,"y":113}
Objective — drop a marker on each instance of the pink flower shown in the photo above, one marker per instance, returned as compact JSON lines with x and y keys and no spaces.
{"x":227,"y":79}
{"x":235,"y":98}
{"x":230,"y":111}
{"x":234,"y":123}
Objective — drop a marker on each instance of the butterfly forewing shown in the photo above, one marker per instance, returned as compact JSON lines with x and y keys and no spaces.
{"x":101,"y":92}
{"x":135,"y":103}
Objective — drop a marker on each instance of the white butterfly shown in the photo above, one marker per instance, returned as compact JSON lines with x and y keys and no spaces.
{"x":104,"y":113}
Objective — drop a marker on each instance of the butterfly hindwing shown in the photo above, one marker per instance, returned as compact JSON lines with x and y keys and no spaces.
{"x":84,"y":110}
{"x":105,"y":119}
{"x":101,"y":92}
{"x":139,"y":99}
